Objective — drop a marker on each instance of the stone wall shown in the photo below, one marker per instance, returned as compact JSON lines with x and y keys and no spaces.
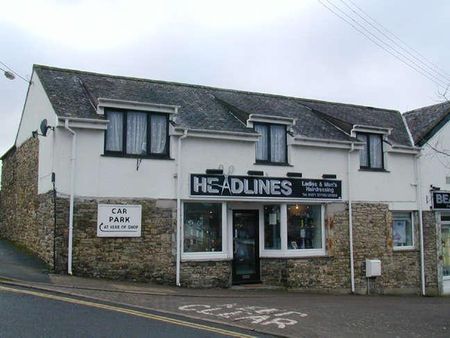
{"x":27,"y":218}
{"x":432,"y":251}
{"x":150,"y":257}
{"x":206,"y":274}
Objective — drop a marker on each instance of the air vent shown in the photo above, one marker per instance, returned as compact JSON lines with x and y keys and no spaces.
{"x":255,"y":173}
{"x":294,"y":174}
{"x":329,"y":176}
{"x":214,"y":171}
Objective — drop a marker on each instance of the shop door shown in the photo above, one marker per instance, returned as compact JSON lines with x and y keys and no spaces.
{"x":245,"y":246}
{"x":445,"y":235}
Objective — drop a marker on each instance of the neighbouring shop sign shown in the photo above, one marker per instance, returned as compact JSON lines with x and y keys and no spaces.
{"x":251,"y":186}
{"x":441,"y":199}
{"x":119,"y":220}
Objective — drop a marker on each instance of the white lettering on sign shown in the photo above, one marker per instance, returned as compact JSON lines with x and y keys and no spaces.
{"x":119,"y":220}
{"x":252,"y":314}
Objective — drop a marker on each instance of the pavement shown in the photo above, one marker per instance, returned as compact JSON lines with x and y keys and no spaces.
{"x":266,"y":311}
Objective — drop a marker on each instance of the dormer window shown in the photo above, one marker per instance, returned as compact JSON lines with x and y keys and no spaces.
{"x":136,"y":134}
{"x":271,"y":147}
{"x":371,"y":156}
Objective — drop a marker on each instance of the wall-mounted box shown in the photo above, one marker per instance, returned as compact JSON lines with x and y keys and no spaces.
{"x":373,"y":267}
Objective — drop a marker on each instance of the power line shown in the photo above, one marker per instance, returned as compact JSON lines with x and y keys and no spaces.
{"x":400,"y":40}
{"x":362,"y":31}
{"x":14,"y":72}
{"x":426,"y":63}
{"x":392,"y":49}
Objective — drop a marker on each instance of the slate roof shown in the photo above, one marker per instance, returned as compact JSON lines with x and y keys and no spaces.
{"x":74,"y":93}
{"x":426,"y":121}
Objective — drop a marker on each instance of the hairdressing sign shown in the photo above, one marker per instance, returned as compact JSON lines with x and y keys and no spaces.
{"x":441,"y":200}
{"x":251,"y":186}
{"x":119,"y":220}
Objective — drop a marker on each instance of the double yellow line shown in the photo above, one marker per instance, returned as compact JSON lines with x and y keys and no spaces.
{"x":127,"y":311}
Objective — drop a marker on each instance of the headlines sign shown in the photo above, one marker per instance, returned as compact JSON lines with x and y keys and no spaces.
{"x":251,"y":186}
{"x":441,"y":200}
{"x":119,"y":220}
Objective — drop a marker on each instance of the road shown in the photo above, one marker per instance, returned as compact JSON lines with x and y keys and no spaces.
{"x":28,"y":313}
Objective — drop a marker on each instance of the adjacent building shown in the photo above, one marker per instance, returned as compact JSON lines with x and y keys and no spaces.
{"x":128,"y":178}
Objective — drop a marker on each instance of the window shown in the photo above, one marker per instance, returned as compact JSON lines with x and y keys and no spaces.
{"x":272,"y":239}
{"x":402,"y":230}
{"x":271,"y":147}
{"x":134,"y":133}
{"x":304,"y":227}
{"x":371,"y":156}
{"x":202,"y":227}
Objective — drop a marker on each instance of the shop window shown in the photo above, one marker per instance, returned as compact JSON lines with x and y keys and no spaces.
{"x":402,"y":230}
{"x":304,"y":227}
{"x":272,"y":238}
{"x":136,"y":134}
{"x":371,"y":156}
{"x":202,"y":227}
{"x":271,"y":146}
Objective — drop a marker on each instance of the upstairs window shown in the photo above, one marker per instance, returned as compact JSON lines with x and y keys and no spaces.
{"x":137,"y":134}
{"x":371,"y":156}
{"x":271,"y":147}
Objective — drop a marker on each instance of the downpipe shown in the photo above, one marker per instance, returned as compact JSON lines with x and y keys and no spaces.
{"x":350,"y":220}
{"x":72,"y":193}
{"x":419,"y":204}
{"x":178,"y":249}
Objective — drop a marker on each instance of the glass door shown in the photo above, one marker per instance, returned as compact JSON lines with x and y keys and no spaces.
{"x":245,"y":246}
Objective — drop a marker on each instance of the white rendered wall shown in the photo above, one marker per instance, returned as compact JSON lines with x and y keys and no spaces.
{"x":435,"y":166}
{"x":38,"y":107}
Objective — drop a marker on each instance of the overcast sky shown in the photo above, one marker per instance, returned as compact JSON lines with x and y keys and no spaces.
{"x":296,"y":48}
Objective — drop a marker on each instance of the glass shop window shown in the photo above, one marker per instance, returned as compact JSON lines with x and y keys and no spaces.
{"x":272,"y":239}
{"x":202,"y":227}
{"x":304,"y":226}
{"x":402,"y":230}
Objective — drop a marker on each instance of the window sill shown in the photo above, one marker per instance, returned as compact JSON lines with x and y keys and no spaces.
{"x":381,"y":170}
{"x":204,"y":256}
{"x":146,"y":157}
{"x":291,"y":253}
{"x":281,"y":164}
{"x":404,"y":248}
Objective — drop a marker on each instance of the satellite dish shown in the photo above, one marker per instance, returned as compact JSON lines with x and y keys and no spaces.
{"x":44,"y":127}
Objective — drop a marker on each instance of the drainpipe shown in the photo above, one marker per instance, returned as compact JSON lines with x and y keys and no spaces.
{"x":350,"y":220}
{"x":72,"y":192}
{"x":419,"y":204}
{"x":178,"y":263}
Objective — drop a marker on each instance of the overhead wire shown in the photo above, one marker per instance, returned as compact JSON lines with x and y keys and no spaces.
{"x":437,"y":67}
{"x":422,"y":60}
{"x":382,"y":44}
{"x":13,"y":71}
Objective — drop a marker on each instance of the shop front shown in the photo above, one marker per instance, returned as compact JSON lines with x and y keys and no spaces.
{"x":283,"y":218}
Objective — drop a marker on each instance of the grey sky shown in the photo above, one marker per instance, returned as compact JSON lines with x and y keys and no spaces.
{"x":293,"y":48}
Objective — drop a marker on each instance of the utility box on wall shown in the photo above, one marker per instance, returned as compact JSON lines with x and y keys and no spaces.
{"x":373,"y":267}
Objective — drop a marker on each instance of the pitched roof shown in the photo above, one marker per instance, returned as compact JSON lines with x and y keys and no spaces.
{"x":426,"y":121}
{"x":74,"y":93}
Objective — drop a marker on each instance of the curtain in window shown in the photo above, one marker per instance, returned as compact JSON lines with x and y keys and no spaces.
{"x":376,"y":151}
{"x":114,"y":132}
{"x":363,"y":158}
{"x":137,"y":133}
{"x":278,"y":143}
{"x":158,"y":134}
{"x":262,"y":153}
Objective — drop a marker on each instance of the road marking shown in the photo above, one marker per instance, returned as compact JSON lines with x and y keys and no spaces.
{"x":128,"y":311}
{"x":253,"y":314}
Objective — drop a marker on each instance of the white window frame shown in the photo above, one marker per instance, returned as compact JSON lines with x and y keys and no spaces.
{"x":206,"y":255}
{"x":284,"y":252}
{"x":411,"y":219}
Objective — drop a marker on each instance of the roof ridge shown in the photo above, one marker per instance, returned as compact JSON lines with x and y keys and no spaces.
{"x":295,"y":98}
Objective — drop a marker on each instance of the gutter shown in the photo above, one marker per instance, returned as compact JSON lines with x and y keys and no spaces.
{"x":350,"y":220}
{"x":178,"y":234}
{"x":72,"y":193}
